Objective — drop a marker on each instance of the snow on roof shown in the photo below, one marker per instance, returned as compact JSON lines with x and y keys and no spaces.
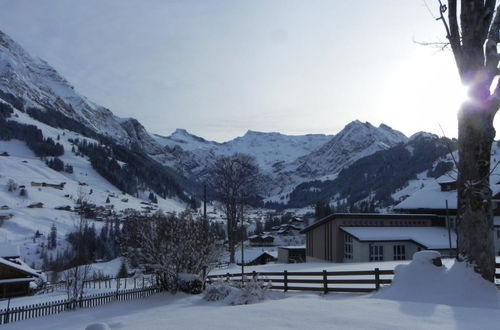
{"x":292,"y":247}
{"x":21,"y":267}
{"x":431,"y":197}
{"x":17,"y":280}
{"x":252,"y":254}
{"x":9,"y":250}
{"x":429,"y":237}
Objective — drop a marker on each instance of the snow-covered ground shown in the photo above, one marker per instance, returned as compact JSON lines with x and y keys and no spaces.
{"x":293,"y":311}
{"x":423,"y":296}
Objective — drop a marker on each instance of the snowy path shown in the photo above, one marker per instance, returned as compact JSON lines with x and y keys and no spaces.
{"x":295,"y":311}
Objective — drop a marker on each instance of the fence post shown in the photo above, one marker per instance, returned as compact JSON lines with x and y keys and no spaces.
{"x":377,"y":279}
{"x":6,"y":319}
{"x":117,"y":288}
{"x":285,"y":281}
{"x":325,"y":283}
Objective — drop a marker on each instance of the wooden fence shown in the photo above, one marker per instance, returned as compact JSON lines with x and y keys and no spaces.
{"x":54,"y":307}
{"x":110,"y":283}
{"x":497,"y":273}
{"x":364,"y":281}
{"x":337,"y":281}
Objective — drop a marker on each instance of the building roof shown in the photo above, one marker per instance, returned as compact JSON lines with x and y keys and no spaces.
{"x":432,"y":198}
{"x":293,"y":247}
{"x":22,"y":267}
{"x":250,"y":255}
{"x":428,"y":237}
{"x":9,"y":250}
{"x":382,"y":216}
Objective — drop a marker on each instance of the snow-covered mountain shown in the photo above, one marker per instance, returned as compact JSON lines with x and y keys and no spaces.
{"x":29,"y":82}
{"x":355,"y":141}
{"x":379,"y":179}
{"x":287,"y":160}
{"x":190,"y":153}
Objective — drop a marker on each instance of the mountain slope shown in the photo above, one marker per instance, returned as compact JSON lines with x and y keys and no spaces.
{"x":355,"y":141}
{"x":378,"y":176}
{"x":28,"y":82}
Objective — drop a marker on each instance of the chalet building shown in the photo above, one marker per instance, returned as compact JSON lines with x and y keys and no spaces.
{"x":440,"y":198}
{"x":253,"y":257}
{"x":38,"y":205}
{"x":261,"y":240}
{"x":15,"y":275}
{"x":448,"y":185}
{"x":288,"y":229}
{"x":5,"y":216}
{"x":59,"y":186}
{"x":361,"y":237}
{"x":291,"y":254}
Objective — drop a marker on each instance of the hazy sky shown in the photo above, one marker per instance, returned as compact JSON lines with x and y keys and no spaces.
{"x":218,"y":68}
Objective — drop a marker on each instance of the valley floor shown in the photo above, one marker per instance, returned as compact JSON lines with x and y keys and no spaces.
{"x":290,"y":311}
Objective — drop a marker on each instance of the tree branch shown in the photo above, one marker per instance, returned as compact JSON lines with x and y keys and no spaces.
{"x":491,"y":51}
{"x":442,"y":45}
{"x":452,"y":32}
{"x":489,"y":9}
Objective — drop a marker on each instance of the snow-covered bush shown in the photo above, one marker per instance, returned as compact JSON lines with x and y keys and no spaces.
{"x":190,"y":283}
{"x":237,"y":293}
{"x":218,"y":290}
{"x":169,"y":245}
{"x":250,"y":292}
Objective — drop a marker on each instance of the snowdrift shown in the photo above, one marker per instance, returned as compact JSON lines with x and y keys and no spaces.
{"x":422,"y":281}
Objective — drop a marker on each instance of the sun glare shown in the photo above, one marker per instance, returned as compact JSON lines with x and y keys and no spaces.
{"x":423,"y":93}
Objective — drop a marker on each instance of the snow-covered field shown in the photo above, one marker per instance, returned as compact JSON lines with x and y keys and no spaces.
{"x":293,"y":311}
{"x":290,"y":311}
{"x":422,"y":296}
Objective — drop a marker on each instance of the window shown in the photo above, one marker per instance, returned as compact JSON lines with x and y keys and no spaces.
{"x":376,"y":253}
{"x":347,"y":247}
{"x":498,"y":233}
{"x":399,"y":252}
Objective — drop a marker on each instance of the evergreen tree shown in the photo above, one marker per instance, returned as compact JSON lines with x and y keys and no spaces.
{"x":123,"y":272}
{"x":52,"y":240}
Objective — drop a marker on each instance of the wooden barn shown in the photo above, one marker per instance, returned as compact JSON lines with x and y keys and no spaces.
{"x":15,"y":275}
{"x":256,"y":257}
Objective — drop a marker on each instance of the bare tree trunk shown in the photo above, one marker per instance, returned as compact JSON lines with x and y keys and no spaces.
{"x":475,"y":215}
{"x":231,"y":239}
